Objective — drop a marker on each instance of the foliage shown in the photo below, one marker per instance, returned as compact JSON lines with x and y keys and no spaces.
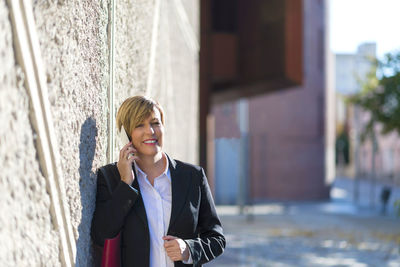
{"x":380,"y":95}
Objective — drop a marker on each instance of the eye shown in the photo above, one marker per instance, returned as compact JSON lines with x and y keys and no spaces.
{"x":139,"y":125}
{"x":156,"y":123}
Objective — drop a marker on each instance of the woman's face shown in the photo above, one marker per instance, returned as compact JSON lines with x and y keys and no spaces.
{"x":147,"y":137}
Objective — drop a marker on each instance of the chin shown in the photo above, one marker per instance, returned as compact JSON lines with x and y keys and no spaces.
{"x":152,"y":153}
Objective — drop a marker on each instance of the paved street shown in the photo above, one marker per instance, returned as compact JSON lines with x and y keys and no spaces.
{"x":335,"y":233}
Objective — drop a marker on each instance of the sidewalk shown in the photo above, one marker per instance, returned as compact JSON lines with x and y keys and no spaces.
{"x":334,"y":233}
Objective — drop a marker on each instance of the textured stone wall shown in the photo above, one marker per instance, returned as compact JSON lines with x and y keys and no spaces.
{"x":27,"y":235}
{"x":165,"y":56}
{"x":75,"y":45}
{"x":73,"y":42}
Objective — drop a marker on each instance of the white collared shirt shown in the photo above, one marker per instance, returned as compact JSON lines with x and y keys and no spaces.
{"x":157,"y":200}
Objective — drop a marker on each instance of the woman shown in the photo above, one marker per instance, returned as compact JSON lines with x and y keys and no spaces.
{"x":162,"y":207}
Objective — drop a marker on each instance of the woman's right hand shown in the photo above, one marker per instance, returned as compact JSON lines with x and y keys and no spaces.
{"x":125,"y":161}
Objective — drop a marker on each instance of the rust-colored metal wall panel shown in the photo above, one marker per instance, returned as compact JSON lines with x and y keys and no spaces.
{"x":294,"y":40}
{"x":224,"y":56}
{"x":261,"y":50}
{"x":261,"y":39}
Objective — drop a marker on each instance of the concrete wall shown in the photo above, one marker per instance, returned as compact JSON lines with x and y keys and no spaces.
{"x":155,"y":52}
{"x":163,"y":62}
{"x":27,"y":234}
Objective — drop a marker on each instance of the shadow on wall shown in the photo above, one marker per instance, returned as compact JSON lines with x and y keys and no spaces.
{"x":87,"y":254}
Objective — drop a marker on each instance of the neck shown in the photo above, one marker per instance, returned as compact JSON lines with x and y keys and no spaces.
{"x":153,"y":166}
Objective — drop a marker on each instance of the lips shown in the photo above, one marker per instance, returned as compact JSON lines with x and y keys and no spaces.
{"x":150,"y":141}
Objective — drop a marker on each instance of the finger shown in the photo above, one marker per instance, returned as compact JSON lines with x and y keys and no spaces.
{"x":124,"y":149}
{"x":174,"y":256}
{"x":170,"y":252}
{"x":126,"y":146}
{"x":133,"y":158}
{"x":169,"y":237}
{"x":168,"y":244}
{"x":172,"y":248}
{"x":128,"y":151}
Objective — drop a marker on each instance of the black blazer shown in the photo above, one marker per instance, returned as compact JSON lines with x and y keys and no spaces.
{"x":193,"y":215}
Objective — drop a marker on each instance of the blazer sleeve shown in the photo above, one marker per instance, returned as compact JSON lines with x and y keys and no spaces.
{"x":210,"y":242}
{"x":113,"y":202}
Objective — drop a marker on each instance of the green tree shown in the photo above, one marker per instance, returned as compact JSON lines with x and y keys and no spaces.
{"x":380,"y":96}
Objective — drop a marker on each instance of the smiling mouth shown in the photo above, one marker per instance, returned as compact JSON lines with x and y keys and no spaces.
{"x":150,"y":142}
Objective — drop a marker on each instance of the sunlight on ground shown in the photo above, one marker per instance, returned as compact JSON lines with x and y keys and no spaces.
{"x":338,"y":193}
{"x":329,"y":261}
{"x":254,"y":210}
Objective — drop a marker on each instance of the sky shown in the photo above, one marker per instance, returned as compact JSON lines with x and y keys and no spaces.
{"x":353,"y":22}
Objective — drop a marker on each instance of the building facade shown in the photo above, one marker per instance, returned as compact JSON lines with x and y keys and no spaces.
{"x":274,"y":137}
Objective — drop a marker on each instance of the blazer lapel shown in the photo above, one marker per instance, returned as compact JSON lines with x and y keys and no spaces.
{"x":180,"y":182}
{"x":138,"y":207}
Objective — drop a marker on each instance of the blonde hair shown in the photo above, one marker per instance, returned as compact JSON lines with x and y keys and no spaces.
{"x":134,"y":110}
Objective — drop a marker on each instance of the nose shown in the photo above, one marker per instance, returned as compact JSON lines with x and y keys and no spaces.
{"x":149,"y":129}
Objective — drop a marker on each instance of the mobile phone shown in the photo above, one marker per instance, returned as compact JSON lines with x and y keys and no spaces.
{"x":123,"y":136}
{"x":124,"y":139}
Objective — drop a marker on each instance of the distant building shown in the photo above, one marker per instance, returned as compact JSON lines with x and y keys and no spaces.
{"x":351,"y":68}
